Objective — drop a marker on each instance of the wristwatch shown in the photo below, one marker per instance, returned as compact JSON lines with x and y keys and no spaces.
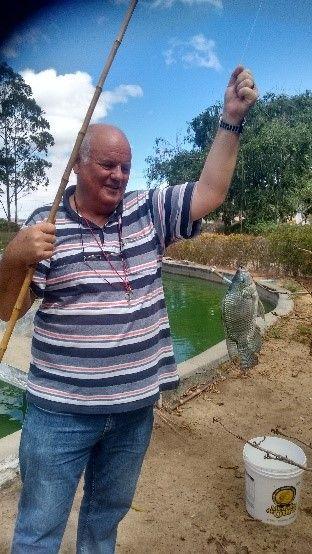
{"x":238,"y":129}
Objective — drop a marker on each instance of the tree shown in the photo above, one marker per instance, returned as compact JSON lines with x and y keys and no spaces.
{"x":24,"y":140}
{"x":173,"y":164}
{"x":273,"y":174}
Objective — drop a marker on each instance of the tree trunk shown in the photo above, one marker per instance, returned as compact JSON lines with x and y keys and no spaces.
{"x":226,"y":218}
{"x":15,"y":204}
{"x":7,"y":179}
{"x":15,"y":184}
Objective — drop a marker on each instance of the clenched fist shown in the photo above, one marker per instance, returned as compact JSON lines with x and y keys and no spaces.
{"x":32,"y":244}
{"x":241,"y":93}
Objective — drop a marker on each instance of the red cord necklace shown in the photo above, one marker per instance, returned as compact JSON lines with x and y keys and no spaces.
{"x":124,"y":278}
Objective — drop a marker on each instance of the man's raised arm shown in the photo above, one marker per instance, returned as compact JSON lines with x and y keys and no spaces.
{"x":29,"y":246}
{"x":215,"y":179}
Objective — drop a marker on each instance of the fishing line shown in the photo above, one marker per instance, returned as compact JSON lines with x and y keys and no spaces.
{"x":251,"y":30}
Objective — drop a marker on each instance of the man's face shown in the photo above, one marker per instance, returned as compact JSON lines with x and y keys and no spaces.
{"x":103,"y":178}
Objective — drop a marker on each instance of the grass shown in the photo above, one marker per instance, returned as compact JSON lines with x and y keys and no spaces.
{"x":299,"y":332}
{"x":275,"y":332}
{"x":303,"y":333}
{"x":292,"y":286}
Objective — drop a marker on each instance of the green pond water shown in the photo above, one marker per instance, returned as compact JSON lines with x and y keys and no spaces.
{"x":194,"y":310}
{"x":12,"y":408}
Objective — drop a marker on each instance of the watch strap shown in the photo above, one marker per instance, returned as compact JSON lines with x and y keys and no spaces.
{"x":238,"y":129}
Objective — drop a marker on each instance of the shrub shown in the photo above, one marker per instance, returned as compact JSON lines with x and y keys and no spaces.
{"x":8,"y":226}
{"x":7,"y":232}
{"x":278,"y":253}
{"x":4,"y":239}
{"x":261,"y":228}
{"x":291,"y":248}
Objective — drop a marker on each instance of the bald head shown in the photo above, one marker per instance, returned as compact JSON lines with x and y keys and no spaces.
{"x":102,"y":169}
{"x":99,"y":133}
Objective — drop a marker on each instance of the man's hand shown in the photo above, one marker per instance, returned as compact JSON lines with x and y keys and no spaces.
{"x":31,"y":245}
{"x":241,"y":93}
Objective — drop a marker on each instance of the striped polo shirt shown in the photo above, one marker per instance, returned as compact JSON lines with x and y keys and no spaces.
{"x":94,"y":349}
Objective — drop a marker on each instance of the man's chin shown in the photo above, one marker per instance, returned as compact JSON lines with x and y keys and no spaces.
{"x":111,"y":196}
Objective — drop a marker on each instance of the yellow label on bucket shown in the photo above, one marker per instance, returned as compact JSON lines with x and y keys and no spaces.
{"x":283,"y":498}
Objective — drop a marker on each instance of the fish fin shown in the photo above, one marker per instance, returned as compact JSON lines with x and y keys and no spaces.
{"x":232,"y":348}
{"x":261,"y":310}
{"x":247,"y":293}
{"x":250,"y":291}
{"x":255,"y":341}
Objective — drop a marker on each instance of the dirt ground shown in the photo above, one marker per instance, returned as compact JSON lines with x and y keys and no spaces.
{"x":190,"y":497}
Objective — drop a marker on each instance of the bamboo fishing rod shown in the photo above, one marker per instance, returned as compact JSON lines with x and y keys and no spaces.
{"x":71,"y":162}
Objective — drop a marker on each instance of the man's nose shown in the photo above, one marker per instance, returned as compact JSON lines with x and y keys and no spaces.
{"x":116,"y":172}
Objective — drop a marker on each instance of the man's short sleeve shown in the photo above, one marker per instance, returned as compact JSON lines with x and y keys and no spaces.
{"x":38,"y":283}
{"x":171,"y":213}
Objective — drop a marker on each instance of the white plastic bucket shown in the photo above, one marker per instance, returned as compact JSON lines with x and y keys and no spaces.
{"x":272,"y":486}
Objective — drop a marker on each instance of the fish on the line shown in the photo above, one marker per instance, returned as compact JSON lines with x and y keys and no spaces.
{"x":240,"y":307}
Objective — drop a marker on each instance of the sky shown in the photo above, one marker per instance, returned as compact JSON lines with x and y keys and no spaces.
{"x":174,"y":62}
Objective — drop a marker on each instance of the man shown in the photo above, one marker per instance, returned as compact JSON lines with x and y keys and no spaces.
{"x":101,"y":348}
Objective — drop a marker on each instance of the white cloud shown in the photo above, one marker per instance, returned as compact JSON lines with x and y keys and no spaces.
{"x":29,"y":36}
{"x":198,"y":51}
{"x":168,"y":3}
{"x":102,"y":19}
{"x":65,"y":99}
{"x":169,"y":56}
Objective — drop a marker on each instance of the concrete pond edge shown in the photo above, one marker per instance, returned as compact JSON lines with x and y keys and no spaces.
{"x":203,"y":366}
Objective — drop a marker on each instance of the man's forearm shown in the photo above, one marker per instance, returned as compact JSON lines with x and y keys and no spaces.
{"x":216,"y":176}
{"x":215,"y":179}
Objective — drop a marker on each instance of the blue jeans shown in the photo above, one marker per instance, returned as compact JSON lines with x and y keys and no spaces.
{"x":55,"y":450}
